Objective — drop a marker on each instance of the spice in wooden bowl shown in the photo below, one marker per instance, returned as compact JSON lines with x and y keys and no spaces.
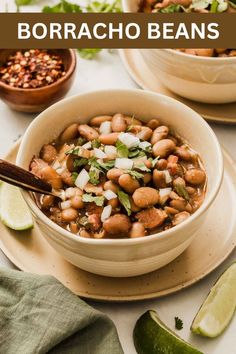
{"x":32,"y":68}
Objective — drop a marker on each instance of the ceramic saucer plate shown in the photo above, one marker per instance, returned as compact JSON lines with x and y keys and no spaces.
{"x":216,"y":239}
{"x":142,"y":75}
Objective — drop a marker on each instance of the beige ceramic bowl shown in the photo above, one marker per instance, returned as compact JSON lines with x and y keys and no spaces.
{"x":124,"y":257}
{"x":202,"y":79}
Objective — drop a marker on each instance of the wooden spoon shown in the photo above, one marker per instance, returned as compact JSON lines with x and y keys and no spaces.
{"x":19,"y":177}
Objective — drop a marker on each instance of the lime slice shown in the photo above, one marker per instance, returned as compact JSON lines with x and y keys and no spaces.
{"x":218,"y":308}
{"x":151,"y":336}
{"x":14,"y":212}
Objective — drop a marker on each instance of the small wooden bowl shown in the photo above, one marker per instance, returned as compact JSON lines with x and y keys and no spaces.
{"x":36,"y":100}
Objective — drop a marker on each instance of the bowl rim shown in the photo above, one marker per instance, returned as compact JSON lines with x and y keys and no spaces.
{"x":220,"y":60}
{"x":125,"y":241}
{"x":69,"y":72}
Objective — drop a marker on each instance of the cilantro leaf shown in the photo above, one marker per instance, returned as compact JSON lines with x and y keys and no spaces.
{"x":22,"y":2}
{"x":81,"y":141}
{"x":74,"y":176}
{"x":142,"y":167}
{"x":154,"y":161}
{"x":80,"y":162}
{"x":124,"y":200}
{"x":89,"y":53}
{"x":104,"y":6}
{"x":178,"y":323}
{"x":134,"y":174}
{"x":182,"y":191}
{"x":171,"y":9}
{"x":63,"y":7}
{"x":122,"y":149}
{"x":94,"y":175}
{"x":89,"y":198}
{"x":95,"y":143}
{"x":84,"y":222}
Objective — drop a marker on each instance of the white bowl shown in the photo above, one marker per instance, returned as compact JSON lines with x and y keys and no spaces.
{"x":202,"y":79}
{"x":124,"y":257}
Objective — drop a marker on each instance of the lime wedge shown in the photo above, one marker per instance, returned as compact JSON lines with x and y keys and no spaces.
{"x":151,"y":336}
{"x":218,"y":308}
{"x":14,"y":212}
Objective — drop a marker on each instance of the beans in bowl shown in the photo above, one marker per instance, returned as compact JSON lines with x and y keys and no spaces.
{"x":120,"y":177}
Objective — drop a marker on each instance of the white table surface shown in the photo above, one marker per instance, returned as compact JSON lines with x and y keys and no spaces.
{"x":107,"y":72}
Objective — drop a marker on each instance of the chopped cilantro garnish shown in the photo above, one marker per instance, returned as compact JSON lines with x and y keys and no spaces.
{"x":95,"y":143}
{"x":89,"y":198}
{"x":94,"y":175}
{"x":182,"y":191}
{"x":80,"y":162}
{"x":178,"y":323}
{"x":122,"y":149}
{"x":74,"y":176}
{"x":124,"y":200}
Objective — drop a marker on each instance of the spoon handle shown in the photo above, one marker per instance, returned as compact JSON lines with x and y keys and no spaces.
{"x":22,"y":178}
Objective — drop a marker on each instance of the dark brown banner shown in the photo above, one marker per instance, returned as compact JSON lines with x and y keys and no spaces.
{"x":99,"y":30}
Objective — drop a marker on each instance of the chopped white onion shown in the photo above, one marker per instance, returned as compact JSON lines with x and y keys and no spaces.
{"x":99,"y":153}
{"x":167,"y":176}
{"x":105,"y":128}
{"x":70,"y":192}
{"x":164,"y":194}
{"x":88,"y":145}
{"x":144,"y":145}
{"x":82,"y":179}
{"x":124,"y":163}
{"x":61,"y":194}
{"x":106,"y":212}
{"x":129,"y":140}
{"x":56,"y":164}
{"x":109,"y":194}
{"x":66,"y":204}
{"x":61,"y":170}
{"x":164,"y":191}
{"x":110,"y":151}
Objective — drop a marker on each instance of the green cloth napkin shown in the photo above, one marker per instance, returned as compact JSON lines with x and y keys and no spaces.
{"x":39,"y":315}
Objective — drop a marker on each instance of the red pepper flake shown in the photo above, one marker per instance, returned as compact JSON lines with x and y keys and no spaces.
{"x":32,"y":68}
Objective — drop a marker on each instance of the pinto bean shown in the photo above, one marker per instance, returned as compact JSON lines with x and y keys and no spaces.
{"x":159,"y":179}
{"x":132,"y":121}
{"x":69,"y":133}
{"x":204,"y":52}
{"x":159,"y":134}
{"x":128,"y":183}
{"x":47,"y":202}
{"x":161,"y":164}
{"x":145,"y":197}
{"x":190,"y":190}
{"x":69,"y":215}
{"x":117,"y":224}
{"x":100,"y":234}
{"x":52,"y":177}
{"x":163,"y":148}
{"x":179,"y":204}
{"x":74,"y":227}
{"x":180,"y":217}
{"x":88,"y":132}
{"x":84,"y":233}
{"x":97,"y":121}
{"x":184,"y":153}
{"x":153,"y":123}
{"x":171,"y":211}
{"x":70,"y":162}
{"x":118,"y":123}
{"x":77,"y":202}
{"x":67,"y":178}
{"x":114,"y":174}
{"x":195,"y":176}
{"x":137,"y":230}
{"x":48,"y":153}
{"x":145,"y":133}
{"x":134,"y":207}
{"x":179,"y":181}
{"x":151,"y":217}
{"x":147,"y":177}
{"x":109,"y":185}
{"x":109,"y":139}
{"x":114,"y":203}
